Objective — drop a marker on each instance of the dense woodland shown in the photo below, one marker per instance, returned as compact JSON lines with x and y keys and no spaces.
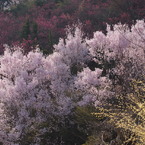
{"x":72,"y":72}
{"x":43,"y":22}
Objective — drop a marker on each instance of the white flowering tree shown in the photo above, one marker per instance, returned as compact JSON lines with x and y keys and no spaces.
{"x":121,"y":52}
{"x":27,"y":94}
{"x":37,"y":91}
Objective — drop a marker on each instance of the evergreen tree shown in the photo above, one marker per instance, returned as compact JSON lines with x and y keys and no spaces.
{"x":26,"y":30}
{"x":34,"y":30}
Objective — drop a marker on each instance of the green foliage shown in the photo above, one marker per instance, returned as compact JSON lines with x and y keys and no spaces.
{"x":89,"y":124}
{"x":50,"y":41}
{"x":40,"y":2}
{"x":29,"y":30}
{"x":34,"y":30}
{"x":92,"y":140}
{"x":22,"y":8}
{"x":61,"y":3}
{"x":26,"y":30}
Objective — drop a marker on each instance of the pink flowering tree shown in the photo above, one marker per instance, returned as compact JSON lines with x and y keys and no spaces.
{"x":8,"y":27}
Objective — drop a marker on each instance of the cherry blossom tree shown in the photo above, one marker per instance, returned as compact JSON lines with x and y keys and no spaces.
{"x":38,"y":90}
{"x":121,"y":52}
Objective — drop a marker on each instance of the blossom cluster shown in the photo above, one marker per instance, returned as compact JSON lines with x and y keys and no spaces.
{"x":36,"y":90}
